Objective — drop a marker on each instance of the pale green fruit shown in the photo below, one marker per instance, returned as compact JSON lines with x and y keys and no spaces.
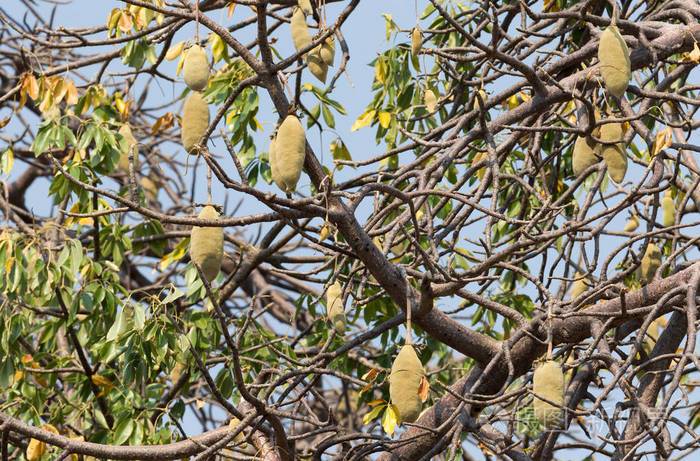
{"x":430,"y":101}
{"x":196,"y":68}
{"x":404,"y":384}
{"x":334,"y":307}
{"x":632,"y":224}
{"x":584,"y":154}
{"x":614,"y":57}
{"x":614,"y":154}
{"x":416,"y":41}
{"x":195,"y":121}
{"x":300,"y":31}
{"x":668,"y":207}
{"x":548,"y":382}
{"x":318,"y":68}
{"x":651,"y":261}
{"x":207,"y":245}
{"x":305,"y":6}
{"x":328,"y":51}
{"x":290,"y":152}
{"x":132,"y":145}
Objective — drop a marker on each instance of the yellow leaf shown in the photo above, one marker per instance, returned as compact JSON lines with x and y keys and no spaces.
{"x":8,"y":160}
{"x":125,"y":23}
{"x":390,"y":419}
{"x":175,"y":51}
{"x":664,"y":139}
{"x":180,"y":63}
{"x":424,"y":389}
{"x":175,"y":255}
{"x":384,"y":119}
{"x":372,"y":414}
{"x":231,"y":7}
{"x":218,"y":47}
{"x":163,"y":123}
{"x":694,"y":55}
{"x":374,"y":403}
{"x":363,"y":120}
{"x":380,"y":70}
{"x":370,"y":375}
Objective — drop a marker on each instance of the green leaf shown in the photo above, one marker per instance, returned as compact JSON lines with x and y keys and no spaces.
{"x":123,"y":430}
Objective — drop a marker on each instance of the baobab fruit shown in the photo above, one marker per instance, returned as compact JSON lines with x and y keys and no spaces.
{"x":404,"y":384}
{"x":632,"y":224}
{"x":650,"y":263}
{"x":132,"y":148}
{"x":290,"y":151}
{"x":300,"y":31}
{"x":668,"y":209}
{"x":207,"y":245}
{"x":195,"y":121}
{"x":327,"y":51}
{"x":584,"y":154}
{"x":613,"y":152}
{"x":233,"y":424}
{"x":614,"y":57}
{"x":150,"y":189}
{"x":305,"y":7}
{"x":579,"y":286}
{"x":178,"y":370}
{"x":334,"y":307}
{"x":416,"y":41}
{"x":318,"y":68}
{"x":196,"y":68}
{"x":430,"y":100}
{"x":274,"y":165}
{"x":548,"y":383}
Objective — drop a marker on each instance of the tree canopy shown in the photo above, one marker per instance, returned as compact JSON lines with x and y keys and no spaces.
{"x":196,"y":264}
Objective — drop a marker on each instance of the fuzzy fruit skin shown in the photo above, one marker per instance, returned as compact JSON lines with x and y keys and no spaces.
{"x":614,"y":154}
{"x":548,"y":382}
{"x":290,"y":151}
{"x":632,"y":224}
{"x":327,"y":51}
{"x":579,"y":286}
{"x":207,"y":245}
{"x":334,"y":307}
{"x":131,"y":141}
{"x":404,"y":384}
{"x":430,"y":100}
{"x":195,"y":120}
{"x":305,"y":6}
{"x":651,"y":261}
{"x":614,"y":57}
{"x":300,"y":31}
{"x":274,"y":164}
{"x":416,"y":41}
{"x":668,"y":209}
{"x":318,"y":68}
{"x":196,"y":68}
{"x":584,"y":155}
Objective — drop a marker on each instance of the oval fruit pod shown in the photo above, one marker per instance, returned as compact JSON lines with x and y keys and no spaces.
{"x":651,"y":261}
{"x":430,"y":100}
{"x":290,"y":151}
{"x":305,"y":6}
{"x":668,"y":207}
{"x":207,"y":245}
{"x":579,"y":286}
{"x":548,"y":382}
{"x":416,"y":41}
{"x":614,"y":154}
{"x":195,"y":121}
{"x":318,"y":68}
{"x":196,"y":68}
{"x":584,"y":155}
{"x":632,"y":224}
{"x":614,"y":57}
{"x":132,"y":146}
{"x":334,"y":307}
{"x":300,"y":31}
{"x":327,"y":51}
{"x":404,"y":384}
{"x":274,"y":164}
{"x":150,"y":189}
